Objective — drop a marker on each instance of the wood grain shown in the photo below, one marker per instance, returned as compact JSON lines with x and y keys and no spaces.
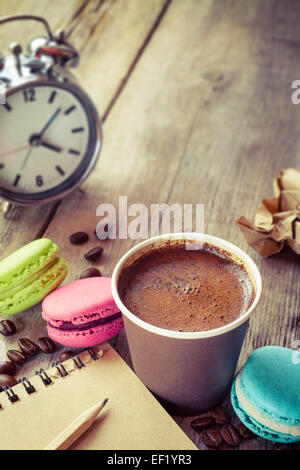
{"x":201,"y":114}
{"x":22,"y":225}
{"x":107,"y":29}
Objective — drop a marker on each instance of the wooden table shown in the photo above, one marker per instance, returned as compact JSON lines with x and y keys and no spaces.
{"x":195,"y":97}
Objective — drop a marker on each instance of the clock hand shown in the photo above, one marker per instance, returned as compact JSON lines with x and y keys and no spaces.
{"x":55,"y":148}
{"x":35,"y":139}
{"x":51,"y":120}
{"x":10,"y":152}
{"x":26,"y":158}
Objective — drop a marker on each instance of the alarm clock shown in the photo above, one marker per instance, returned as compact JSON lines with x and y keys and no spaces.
{"x":50,"y":131}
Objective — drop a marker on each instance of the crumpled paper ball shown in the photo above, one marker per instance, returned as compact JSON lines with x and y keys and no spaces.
{"x":277,"y":221}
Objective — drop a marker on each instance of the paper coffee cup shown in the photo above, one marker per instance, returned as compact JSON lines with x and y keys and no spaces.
{"x":192,"y":371}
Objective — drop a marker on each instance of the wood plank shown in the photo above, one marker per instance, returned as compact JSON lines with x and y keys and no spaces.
{"x":236,"y":148}
{"x":205,"y":117}
{"x":203,"y":126}
{"x":22,"y":225}
{"x":96,"y":23}
{"x":110,"y":41}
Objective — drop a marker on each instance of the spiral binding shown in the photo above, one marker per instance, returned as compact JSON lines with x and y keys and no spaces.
{"x":61,"y":369}
{"x":94,"y":356}
{"x":27,"y":385}
{"x":77,"y":361}
{"x":29,"y":388}
{"x":11,"y":394}
{"x":43,"y":375}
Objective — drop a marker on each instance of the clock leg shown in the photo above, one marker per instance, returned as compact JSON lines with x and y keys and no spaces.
{"x":5,"y":206}
{"x":80,"y":190}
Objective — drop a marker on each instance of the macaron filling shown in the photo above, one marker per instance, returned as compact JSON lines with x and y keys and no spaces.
{"x":14,"y":289}
{"x":70,"y":326}
{"x":26,"y":264}
{"x":252,"y":412}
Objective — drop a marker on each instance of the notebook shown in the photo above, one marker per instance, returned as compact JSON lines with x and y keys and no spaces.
{"x":34,"y":412}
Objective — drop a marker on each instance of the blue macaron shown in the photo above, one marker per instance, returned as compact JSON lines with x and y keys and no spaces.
{"x":266,"y":394}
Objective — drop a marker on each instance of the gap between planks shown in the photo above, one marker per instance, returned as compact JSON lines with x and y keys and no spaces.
{"x":120,"y":89}
{"x":137,"y":58}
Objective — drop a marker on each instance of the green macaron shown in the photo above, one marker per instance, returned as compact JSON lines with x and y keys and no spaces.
{"x":29,"y":274}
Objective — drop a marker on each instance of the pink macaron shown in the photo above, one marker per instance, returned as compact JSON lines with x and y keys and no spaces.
{"x":82,"y":313}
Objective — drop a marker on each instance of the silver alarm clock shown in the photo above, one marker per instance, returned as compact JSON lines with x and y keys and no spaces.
{"x":50,"y":131}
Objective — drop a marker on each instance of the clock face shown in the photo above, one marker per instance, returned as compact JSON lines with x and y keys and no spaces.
{"x":48,"y":140}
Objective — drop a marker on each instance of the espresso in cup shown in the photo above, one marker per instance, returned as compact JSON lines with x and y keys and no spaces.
{"x":189,"y":290}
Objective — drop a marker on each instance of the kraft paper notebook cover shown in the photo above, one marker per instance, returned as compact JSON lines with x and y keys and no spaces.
{"x":132,"y":419}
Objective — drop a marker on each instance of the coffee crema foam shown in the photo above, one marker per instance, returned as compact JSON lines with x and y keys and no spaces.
{"x":186,"y":290}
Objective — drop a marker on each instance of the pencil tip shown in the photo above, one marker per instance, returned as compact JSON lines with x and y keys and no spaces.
{"x":104,"y":401}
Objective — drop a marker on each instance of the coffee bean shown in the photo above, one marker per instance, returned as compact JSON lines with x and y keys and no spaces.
{"x":7,"y":367}
{"x":94,"y":254}
{"x":211,"y":437}
{"x":65,"y":355}
{"x":46,"y":345}
{"x":244,"y":432}
{"x":28,"y":347}
{"x":17,"y":357}
{"x":90,"y":272}
{"x":78,"y":238}
{"x":7,"y":328}
{"x":203,"y":421}
{"x":6,"y":380}
{"x":230,"y":435}
{"x":220,"y":415}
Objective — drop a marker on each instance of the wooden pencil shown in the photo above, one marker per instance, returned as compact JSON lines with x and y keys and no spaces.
{"x":76,"y":428}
